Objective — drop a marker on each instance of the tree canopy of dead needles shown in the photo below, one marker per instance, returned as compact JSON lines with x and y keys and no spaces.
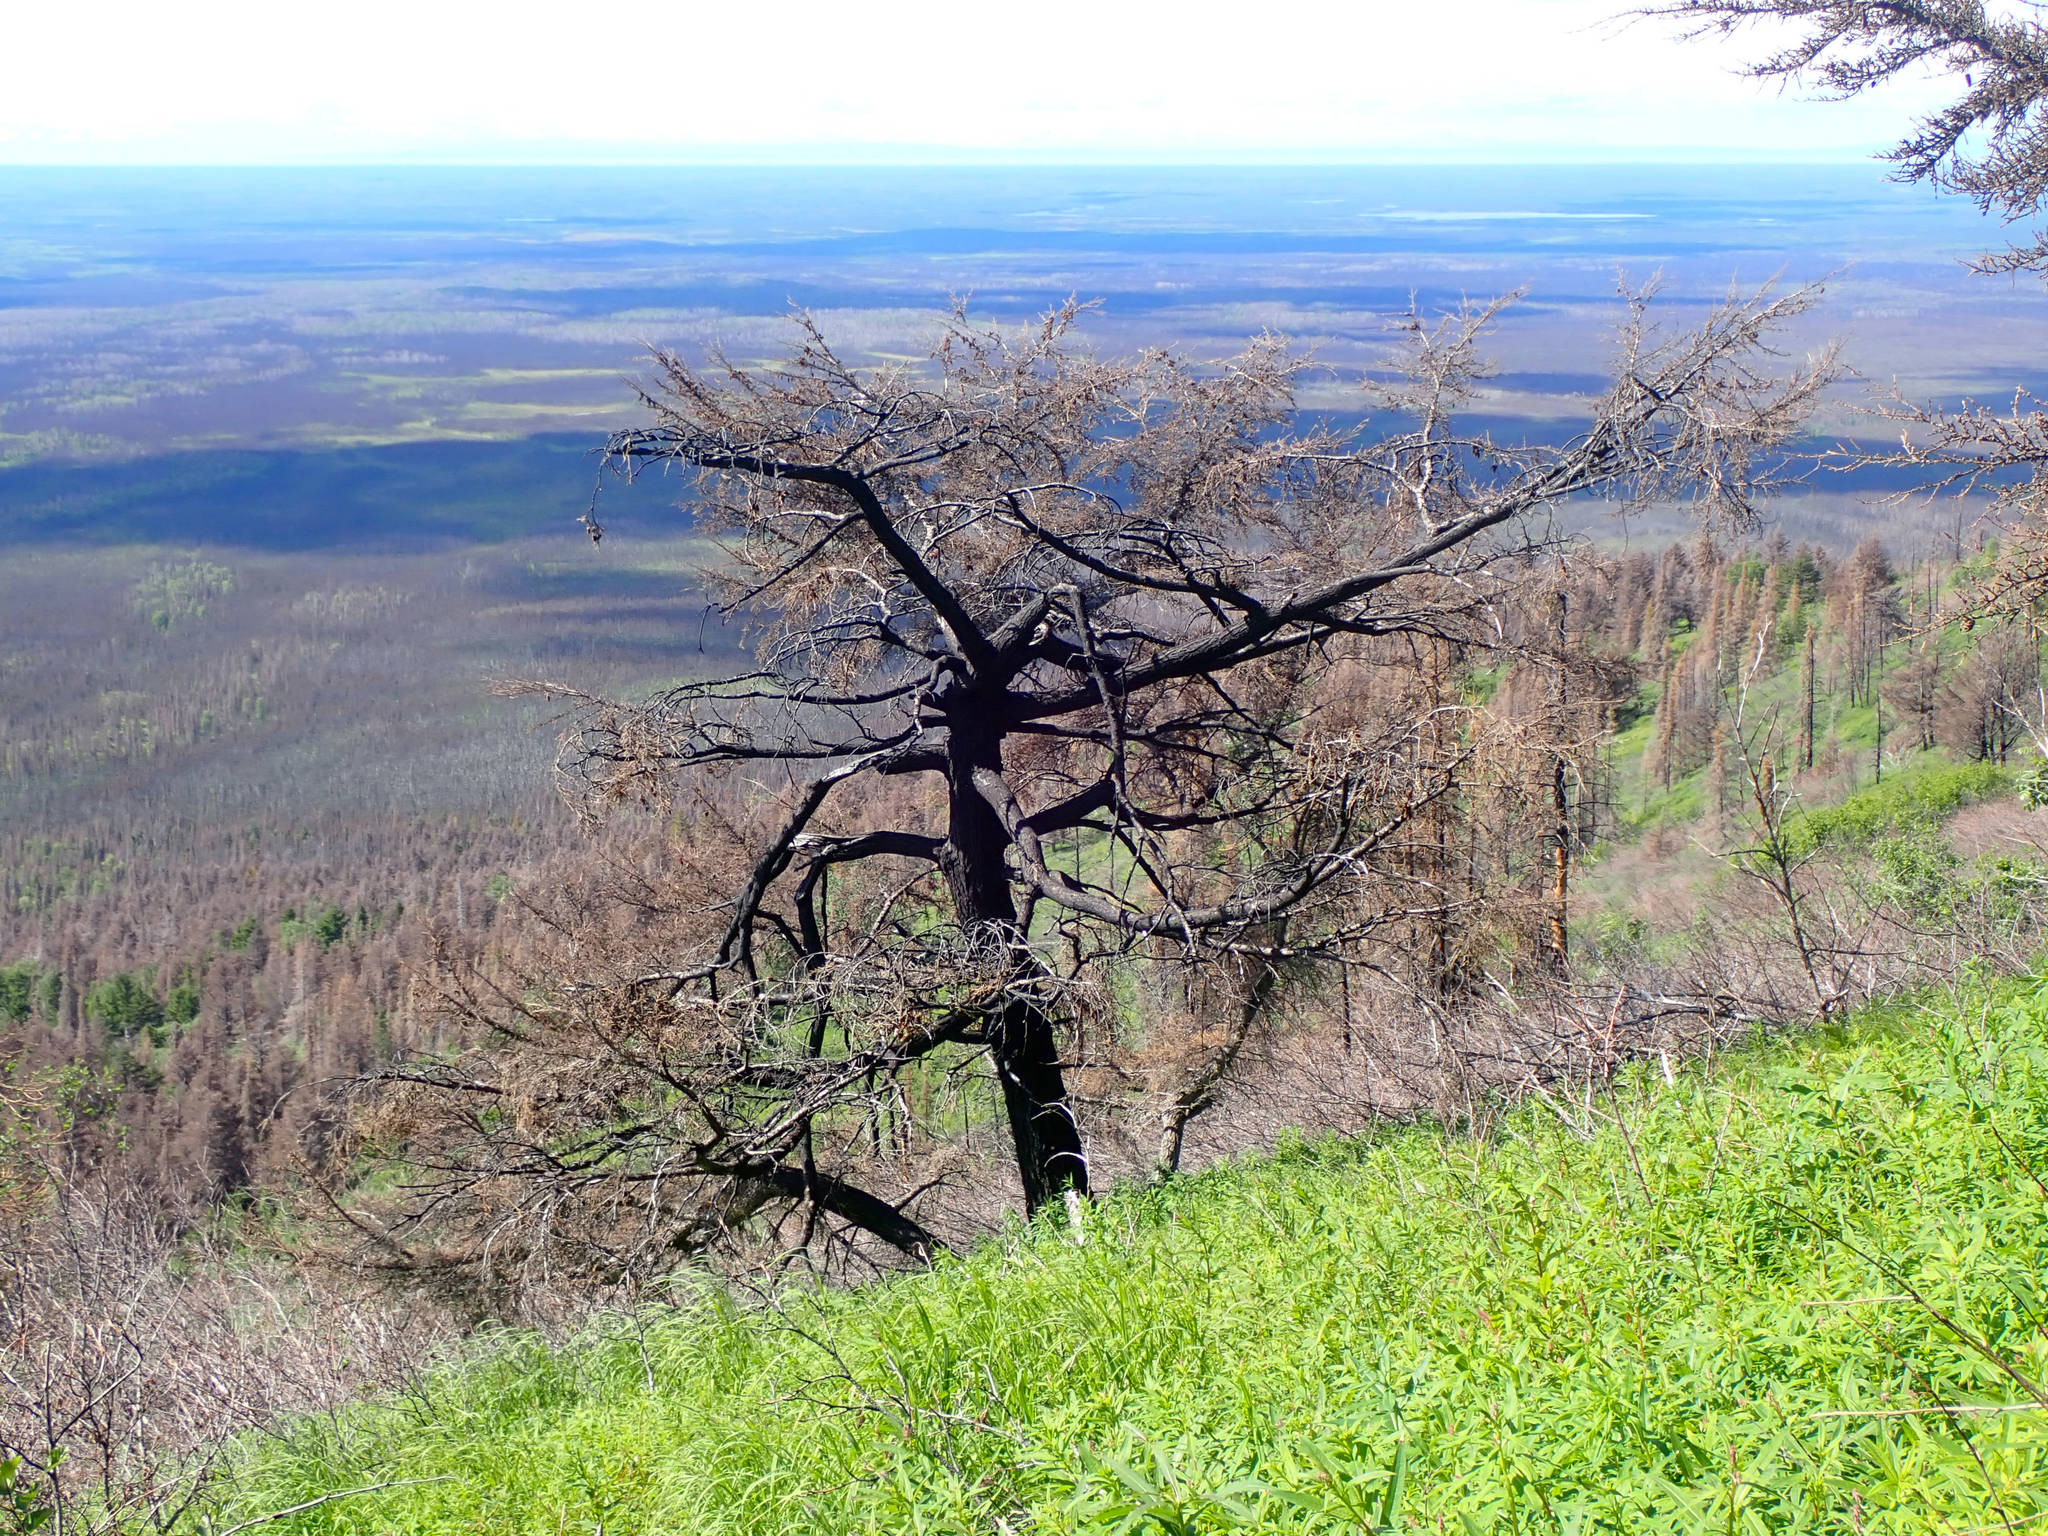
{"x":1057,"y":677}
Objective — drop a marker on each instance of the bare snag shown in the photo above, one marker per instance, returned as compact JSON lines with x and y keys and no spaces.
{"x":1055,"y":682}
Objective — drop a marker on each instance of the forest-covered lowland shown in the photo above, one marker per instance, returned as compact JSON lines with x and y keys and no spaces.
{"x":279,"y":804}
{"x":210,"y":758}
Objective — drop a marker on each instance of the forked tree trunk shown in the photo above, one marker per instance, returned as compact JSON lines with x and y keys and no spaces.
{"x":1022,"y":1037}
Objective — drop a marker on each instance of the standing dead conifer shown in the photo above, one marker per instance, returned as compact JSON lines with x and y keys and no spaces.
{"x":1047,"y":682}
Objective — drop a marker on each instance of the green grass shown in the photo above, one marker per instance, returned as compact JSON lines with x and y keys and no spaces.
{"x":1682,"y":1307}
{"x":1917,"y":797}
{"x":1848,"y":729}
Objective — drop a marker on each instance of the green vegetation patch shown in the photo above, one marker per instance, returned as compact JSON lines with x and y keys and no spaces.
{"x":18,"y":987}
{"x":1917,"y":798}
{"x":126,"y":1004}
{"x":178,"y":591}
{"x":1800,"y":1294}
{"x":327,"y":928}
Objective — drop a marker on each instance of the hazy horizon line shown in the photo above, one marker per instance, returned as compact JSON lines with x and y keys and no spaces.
{"x":940,"y":159}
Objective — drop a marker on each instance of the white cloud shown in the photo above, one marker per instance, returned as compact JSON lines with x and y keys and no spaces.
{"x":234,"y":81}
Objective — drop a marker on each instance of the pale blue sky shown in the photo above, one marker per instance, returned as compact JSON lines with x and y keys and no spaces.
{"x":259,"y":81}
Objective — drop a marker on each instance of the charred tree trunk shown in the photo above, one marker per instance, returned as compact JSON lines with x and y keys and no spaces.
{"x":1043,"y":1131}
{"x":1560,"y":805}
{"x":1022,"y":1037}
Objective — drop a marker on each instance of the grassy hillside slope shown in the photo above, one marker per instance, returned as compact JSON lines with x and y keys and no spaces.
{"x":1800,"y":1291}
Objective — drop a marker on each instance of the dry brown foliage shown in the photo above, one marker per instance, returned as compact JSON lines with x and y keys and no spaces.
{"x":1093,"y":701}
{"x":134,"y":1347}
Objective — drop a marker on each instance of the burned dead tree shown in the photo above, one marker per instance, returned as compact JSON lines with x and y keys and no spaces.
{"x":1049,"y":683}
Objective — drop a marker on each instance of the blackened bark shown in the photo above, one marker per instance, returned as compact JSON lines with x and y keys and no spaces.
{"x":1022,"y":1038}
{"x":1042,"y":1128}
{"x":869,"y":1212}
{"x":1561,"y":851}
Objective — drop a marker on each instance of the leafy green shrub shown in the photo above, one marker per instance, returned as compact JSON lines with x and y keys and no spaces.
{"x":22,"y":1507}
{"x":2033,"y":786}
{"x":1919,"y":798}
{"x":1612,"y":938}
{"x":1919,"y":872}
